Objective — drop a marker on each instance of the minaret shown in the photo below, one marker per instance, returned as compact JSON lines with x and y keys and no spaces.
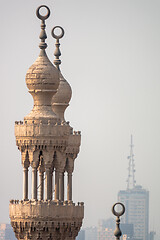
{"x":61,"y":99}
{"x":48,"y":147}
{"x":131,"y":168}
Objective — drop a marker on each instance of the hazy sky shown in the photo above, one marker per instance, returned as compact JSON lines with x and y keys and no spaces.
{"x":111,"y":58}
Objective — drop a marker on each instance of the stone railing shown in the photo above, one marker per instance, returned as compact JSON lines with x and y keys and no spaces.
{"x":45,"y":209}
{"x":25,"y":129}
{"x":41,"y":129}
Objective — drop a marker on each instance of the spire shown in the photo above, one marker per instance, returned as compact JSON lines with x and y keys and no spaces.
{"x":131,"y":169}
{"x":57,"y":52}
{"x":43,"y":35}
{"x":61,"y":99}
{"x":42,"y":79}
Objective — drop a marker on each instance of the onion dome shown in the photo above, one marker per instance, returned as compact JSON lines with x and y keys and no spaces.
{"x":42,"y":79}
{"x":61,"y":99}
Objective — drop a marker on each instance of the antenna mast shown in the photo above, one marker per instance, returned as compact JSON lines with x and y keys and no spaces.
{"x":131,"y":169}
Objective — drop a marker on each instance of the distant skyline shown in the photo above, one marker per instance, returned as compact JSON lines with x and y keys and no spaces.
{"x":111,"y":58}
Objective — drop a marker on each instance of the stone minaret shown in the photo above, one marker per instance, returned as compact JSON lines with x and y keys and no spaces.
{"x":48,"y":147}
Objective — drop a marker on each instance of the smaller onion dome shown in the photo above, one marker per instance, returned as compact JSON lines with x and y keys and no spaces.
{"x":61,"y":99}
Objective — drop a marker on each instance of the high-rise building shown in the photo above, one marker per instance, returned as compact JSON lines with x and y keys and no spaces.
{"x":6,"y":232}
{"x":152,"y":235}
{"x":48,"y":147}
{"x":127,"y":230}
{"x":136,"y":201}
{"x":157,"y":237}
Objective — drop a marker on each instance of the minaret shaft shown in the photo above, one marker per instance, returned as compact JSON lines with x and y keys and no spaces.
{"x":48,"y":148}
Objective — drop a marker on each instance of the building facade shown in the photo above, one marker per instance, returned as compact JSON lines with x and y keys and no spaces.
{"x":106,"y":229}
{"x":6,"y":232}
{"x":127,"y":230}
{"x":48,"y":147}
{"x":136,"y":202}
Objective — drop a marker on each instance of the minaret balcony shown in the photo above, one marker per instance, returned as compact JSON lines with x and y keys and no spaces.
{"x":31,"y":129}
{"x":41,"y":129}
{"x":46,"y":219}
{"x":41,"y":209}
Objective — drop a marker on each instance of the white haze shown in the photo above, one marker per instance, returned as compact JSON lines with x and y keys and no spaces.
{"x":111,"y":58}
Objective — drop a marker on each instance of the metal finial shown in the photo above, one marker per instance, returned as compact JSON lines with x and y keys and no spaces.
{"x":43,"y":34}
{"x":57,"y":52}
{"x":117,"y":232}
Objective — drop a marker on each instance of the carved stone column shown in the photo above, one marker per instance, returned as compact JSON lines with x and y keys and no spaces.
{"x":61,"y":186}
{"x":48,"y":184}
{"x":41,"y":184}
{"x":34,"y":159}
{"x":25,"y":162}
{"x":41,"y":178}
{"x":51,"y":182}
{"x":69,"y":187}
{"x":59,"y":164}
{"x":56,"y":185}
{"x":69,"y":169}
{"x":25,"y":183}
{"x":48,"y":158}
{"x":34,"y":183}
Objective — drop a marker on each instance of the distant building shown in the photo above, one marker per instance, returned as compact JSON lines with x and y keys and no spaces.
{"x":152,"y":235}
{"x":81,"y":235}
{"x":91,"y":233}
{"x":6,"y":232}
{"x":157,"y":237}
{"x":106,"y":234}
{"x":136,"y":201}
{"x":127,"y":230}
{"x":106,"y":229}
{"x":106,"y":223}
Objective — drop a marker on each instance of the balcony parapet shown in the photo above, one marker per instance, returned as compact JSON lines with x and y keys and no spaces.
{"x":40,"y":130}
{"x":32,"y":129}
{"x":45,"y":209}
